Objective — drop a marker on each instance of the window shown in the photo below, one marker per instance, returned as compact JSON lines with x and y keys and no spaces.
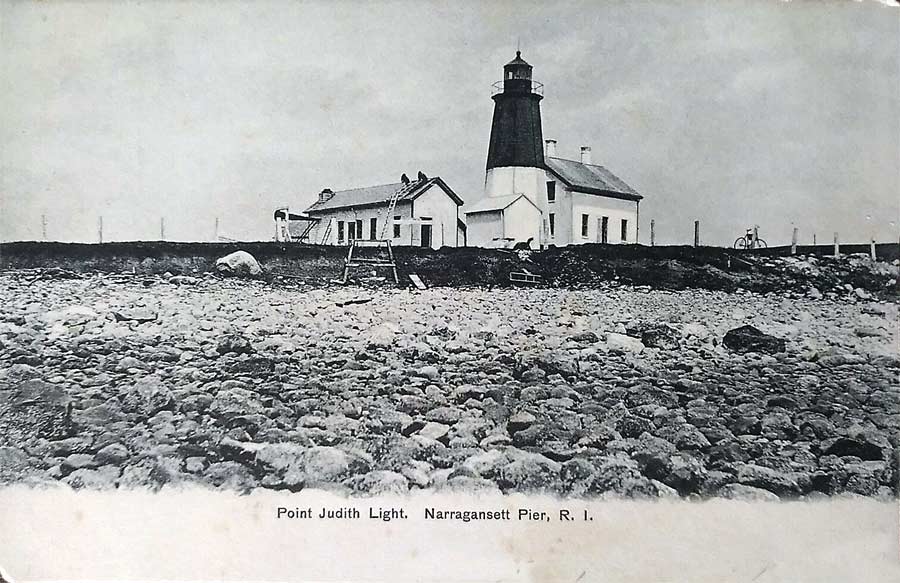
{"x":340,"y":231}
{"x":373,"y":228}
{"x":551,"y":191}
{"x":584,"y":225}
{"x":351,"y":230}
{"x":552,"y":225}
{"x":624,"y":229}
{"x":396,"y":227}
{"x":359,"y":234}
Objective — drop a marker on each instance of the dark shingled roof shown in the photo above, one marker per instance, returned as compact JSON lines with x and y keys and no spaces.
{"x":590,"y":178}
{"x":376,"y":195}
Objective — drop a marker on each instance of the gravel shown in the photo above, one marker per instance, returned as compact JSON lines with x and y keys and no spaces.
{"x":615,"y":391}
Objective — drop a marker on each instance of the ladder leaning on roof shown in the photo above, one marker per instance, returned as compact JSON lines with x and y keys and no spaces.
{"x":327,"y":232}
{"x":392,"y":204}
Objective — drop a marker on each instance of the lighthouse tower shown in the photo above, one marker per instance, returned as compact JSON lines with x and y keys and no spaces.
{"x":515,"y":161}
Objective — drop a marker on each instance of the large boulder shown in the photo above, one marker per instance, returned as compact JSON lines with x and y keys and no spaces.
{"x":239,"y":263}
{"x":750,"y":339}
{"x":655,"y":334}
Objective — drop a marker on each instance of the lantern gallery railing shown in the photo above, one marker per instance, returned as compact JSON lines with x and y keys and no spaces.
{"x":536,"y":87}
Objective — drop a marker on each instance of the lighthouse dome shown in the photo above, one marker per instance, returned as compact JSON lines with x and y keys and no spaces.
{"x":518,"y":68}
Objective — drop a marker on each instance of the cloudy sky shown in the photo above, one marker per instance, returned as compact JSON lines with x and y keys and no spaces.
{"x":733,"y":113}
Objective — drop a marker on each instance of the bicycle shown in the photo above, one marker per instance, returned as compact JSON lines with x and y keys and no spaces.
{"x":750,"y":240}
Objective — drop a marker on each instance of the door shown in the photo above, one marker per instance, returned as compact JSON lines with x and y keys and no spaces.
{"x":426,"y":236}
{"x":373,"y":228}
{"x":604,"y":229}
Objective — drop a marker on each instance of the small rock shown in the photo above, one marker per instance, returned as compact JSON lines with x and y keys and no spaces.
{"x":114,"y":454}
{"x":435,"y":431}
{"x":234,"y":343}
{"x":380,"y":483}
{"x":519,"y":421}
{"x":622,"y":343}
{"x":775,"y":481}
{"x":104,"y":478}
{"x":584,"y":337}
{"x":866,"y":445}
{"x":77,"y":461}
{"x":429,"y":372}
{"x":531,"y":472}
{"x":184,"y":280}
{"x":139,"y":315}
{"x":747,"y":493}
{"x":870,"y":332}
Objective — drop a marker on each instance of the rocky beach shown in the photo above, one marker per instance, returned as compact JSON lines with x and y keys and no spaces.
{"x":156,"y":381}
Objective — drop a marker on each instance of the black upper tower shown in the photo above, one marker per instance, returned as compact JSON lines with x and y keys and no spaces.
{"x":516,"y":138}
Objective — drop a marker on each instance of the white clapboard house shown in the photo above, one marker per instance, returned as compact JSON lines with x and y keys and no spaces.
{"x":426,"y":214}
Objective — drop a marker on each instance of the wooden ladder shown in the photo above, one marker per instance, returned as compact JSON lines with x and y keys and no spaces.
{"x":327,"y":233}
{"x":362,"y":262}
{"x":392,"y":204}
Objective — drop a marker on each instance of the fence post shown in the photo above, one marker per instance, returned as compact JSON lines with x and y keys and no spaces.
{"x":44,"y":227}
{"x":794,"y":242}
{"x":837,"y":246}
{"x":216,"y":230}
{"x":814,"y":239}
{"x":162,"y":228}
{"x":872,"y":249}
{"x":652,"y":232}
{"x":100,"y":229}
{"x":696,"y":233}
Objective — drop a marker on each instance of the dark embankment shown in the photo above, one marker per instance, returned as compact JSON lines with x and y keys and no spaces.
{"x":584,"y":266}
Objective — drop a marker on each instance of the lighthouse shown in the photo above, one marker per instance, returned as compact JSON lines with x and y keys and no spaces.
{"x":515,"y":159}
{"x":536,"y":197}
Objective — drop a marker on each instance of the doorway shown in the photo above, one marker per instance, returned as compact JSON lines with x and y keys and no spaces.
{"x":426,"y":236}
{"x":602,"y":229}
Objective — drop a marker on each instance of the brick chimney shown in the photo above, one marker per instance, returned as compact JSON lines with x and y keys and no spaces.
{"x":325,"y":194}
{"x":585,"y":154}
{"x":550,"y":148}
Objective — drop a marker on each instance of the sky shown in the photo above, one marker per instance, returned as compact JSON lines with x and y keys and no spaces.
{"x":781,"y":114}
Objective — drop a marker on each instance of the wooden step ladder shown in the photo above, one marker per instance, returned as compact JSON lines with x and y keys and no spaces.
{"x":352,"y":261}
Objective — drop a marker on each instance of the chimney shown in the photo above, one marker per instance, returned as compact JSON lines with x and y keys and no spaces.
{"x":550,"y":150}
{"x":325,"y":194}
{"x":585,"y":154}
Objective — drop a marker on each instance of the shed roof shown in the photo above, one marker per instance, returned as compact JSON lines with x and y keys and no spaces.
{"x":590,"y":178}
{"x":495,"y":203}
{"x":380,"y":194}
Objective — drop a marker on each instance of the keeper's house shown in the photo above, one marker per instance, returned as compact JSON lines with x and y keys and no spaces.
{"x":426,"y":214}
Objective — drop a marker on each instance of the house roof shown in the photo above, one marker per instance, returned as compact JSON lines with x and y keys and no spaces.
{"x":590,"y":178}
{"x":495,"y":203}
{"x":376,"y":195}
